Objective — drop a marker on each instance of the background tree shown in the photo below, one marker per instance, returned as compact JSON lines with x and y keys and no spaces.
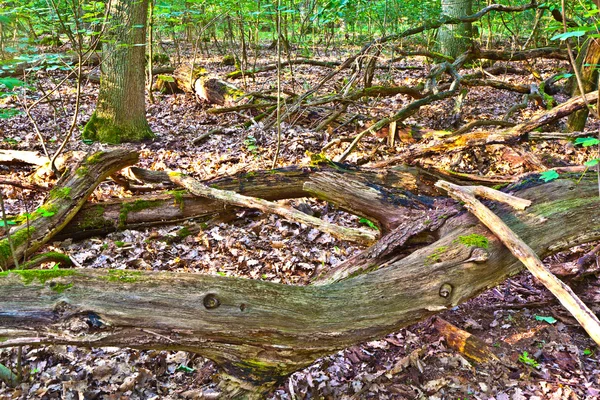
{"x":455,"y":39}
{"x":120,"y":114}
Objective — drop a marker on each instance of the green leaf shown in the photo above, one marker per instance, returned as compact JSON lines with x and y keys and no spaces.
{"x":369,"y":223}
{"x":6,"y":113}
{"x":550,"y":320}
{"x":87,"y":141}
{"x":548,"y":176}
{"x":587,"y":141}
{"x":587,"y":352}
{"x":566,"y":35}
{"x":8,"y":223}
{"x":185,"y":368}
{"x":11,"y":83}
{"x":592,"y":163}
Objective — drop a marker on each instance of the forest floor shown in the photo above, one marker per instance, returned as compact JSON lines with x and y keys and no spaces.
{"x":540,"y":357}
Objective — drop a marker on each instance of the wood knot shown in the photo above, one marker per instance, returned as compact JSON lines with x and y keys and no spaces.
{"x":211,"y":301}
{"x":445,"y":290}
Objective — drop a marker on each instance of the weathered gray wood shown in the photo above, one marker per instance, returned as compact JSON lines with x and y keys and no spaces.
{"x":262,"y":331}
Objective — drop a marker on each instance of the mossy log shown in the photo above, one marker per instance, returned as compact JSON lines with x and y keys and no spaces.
{"x":285,"y":183}
{"x":62,"y":203}
{"x":260,"y":332}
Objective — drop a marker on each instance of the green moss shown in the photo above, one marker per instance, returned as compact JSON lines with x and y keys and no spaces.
{"x":104,"y":130}
{"x":436,"y":256}
{"x":18,"y":238}
{"x":178,"y":197}
{"x":474,"y":240}
{"x":94,"y":158}
{"x":81,"y":171}
{"x":94,"y":219}
{"x":183,"y":232}
{"x":560,"y":206}
{"x":120,"y":275}
{"x":60,"y":193}
{"x":137,"y":205}
{"x":28,"y":276}
{"x":60,"y":287}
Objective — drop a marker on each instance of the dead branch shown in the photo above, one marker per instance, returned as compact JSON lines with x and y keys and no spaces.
{"x":526,"y":255}
{"x":63,"y":203}
{"x":229,"y":197}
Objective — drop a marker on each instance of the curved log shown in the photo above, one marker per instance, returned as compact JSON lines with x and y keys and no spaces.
{"x":62,"y":204}
{"x":262,"y":331}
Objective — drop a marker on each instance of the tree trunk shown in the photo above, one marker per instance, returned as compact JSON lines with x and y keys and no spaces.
{"x":455,"y":39}
{"x":120,"y":114}
{"x":261,"y":332}
{"x":587,"y":62}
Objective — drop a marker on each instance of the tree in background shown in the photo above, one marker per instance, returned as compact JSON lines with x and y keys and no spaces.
{"x":120,"y":114}
{"x":455,"y":39}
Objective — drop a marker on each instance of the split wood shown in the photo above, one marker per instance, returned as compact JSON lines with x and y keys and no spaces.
{"x":586,"y":318}
{"x":197,"y":188}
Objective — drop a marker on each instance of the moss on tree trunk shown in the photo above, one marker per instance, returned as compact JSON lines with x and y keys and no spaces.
{"x":120,"y":114}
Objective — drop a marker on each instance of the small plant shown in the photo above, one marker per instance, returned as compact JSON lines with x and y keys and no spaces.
{"x":525,"y":359}
{"x":250,"y":144}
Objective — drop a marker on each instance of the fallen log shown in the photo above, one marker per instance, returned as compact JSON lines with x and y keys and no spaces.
{"x":258,"y":331}
{"x":518,"y":132}
{"x":62,"y":204}
{"x":285,"y":183}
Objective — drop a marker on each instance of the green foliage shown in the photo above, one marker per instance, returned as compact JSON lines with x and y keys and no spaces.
{"x":525,"y":359}
{"x":587,"y":141}
{"x":549,"y":175}
{"x":549,"y":320}
{"x":368,"y":223}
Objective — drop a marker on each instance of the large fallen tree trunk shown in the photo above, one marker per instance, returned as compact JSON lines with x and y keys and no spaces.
{"x":260,"y":332}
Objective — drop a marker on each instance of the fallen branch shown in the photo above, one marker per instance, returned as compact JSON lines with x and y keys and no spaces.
{"x":197,"y":188}
{"x":456,"y":142}
{"x":527,"y":256}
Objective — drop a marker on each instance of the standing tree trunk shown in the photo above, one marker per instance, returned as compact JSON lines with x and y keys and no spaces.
{"x":120,"y":114}
{"x":455,"y":39}
{"x":587,"y":61}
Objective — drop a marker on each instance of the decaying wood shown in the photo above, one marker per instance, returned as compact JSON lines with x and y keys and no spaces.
{"x":63,"y":203}
{"x":527,"y":256}
{"x":473,"y":139}
{"x":261,"y":331}
{"x":22,"y":157}
{"x":285,"y":183}
{"x":213,"y":90}
{"x":197,"y":188}
{"x":464,"y":342}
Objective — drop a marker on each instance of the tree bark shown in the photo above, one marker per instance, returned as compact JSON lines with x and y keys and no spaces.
{"x":455,"y":39}
{"x":260,"y":331}
{"x":120,"y":114}
{"x":587,"y":62}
